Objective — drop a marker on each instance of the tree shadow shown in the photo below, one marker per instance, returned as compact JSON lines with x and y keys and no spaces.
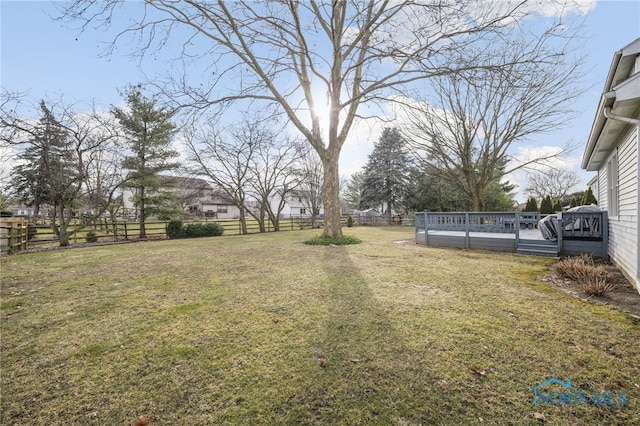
{"x":374,"y":372}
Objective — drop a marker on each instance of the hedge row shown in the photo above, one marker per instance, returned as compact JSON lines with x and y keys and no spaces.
{"x":176,"y":229}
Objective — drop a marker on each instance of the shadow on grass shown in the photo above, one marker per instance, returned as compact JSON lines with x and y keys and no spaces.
{"x":371,"y":376}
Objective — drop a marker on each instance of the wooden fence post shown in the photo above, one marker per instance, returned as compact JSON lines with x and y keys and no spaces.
{"x":10,"y":238}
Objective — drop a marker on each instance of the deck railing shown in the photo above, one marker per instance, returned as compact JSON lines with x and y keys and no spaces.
{"x":500,"y":222}
{"x":577,"y":232}
{"x":581,"y":225}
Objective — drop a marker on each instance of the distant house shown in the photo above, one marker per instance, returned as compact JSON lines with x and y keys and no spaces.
{"x":187,"y":191}
{"x":612,"y":151}
{"x":218,"y":205}
{"x":300,"y":204}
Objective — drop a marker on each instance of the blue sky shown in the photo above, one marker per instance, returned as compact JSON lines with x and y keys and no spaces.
{"x":47,"y":59}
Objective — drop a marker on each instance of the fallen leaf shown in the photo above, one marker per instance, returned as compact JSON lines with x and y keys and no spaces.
{"x":539,"y":416}
{"x":141,"y":421}
{"x":478,"y":370}
{"x":92,"y":415}
{"x":355,"y":360}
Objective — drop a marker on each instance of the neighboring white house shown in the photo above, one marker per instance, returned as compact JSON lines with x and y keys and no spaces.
{"x":612,"y":151}
{"x":217,"y":205}
{"x":298,"y":204}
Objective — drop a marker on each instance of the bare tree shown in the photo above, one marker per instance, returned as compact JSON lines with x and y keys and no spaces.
{"x":304,"y":56}
{"x":556,"y":183}
{"x":225,"y":158}
{"x":464,"y":132}
{"x":57,"y":159}
{"x":272,"y":172}
{"x":309,"y":175}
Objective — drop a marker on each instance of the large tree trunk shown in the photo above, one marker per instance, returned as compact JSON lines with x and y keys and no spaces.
{"x":243,"y":221}
{"x":331,"y":194}
{"x":478,"y":203}
{"x":63,"y":235}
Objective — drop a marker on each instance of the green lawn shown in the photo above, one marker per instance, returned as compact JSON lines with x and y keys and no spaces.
{"x":224,"y":330}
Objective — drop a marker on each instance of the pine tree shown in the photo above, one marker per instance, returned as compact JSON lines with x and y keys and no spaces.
{"x":546,"y":206}
{"x":49,"y":173}
{"x":148,"y":130}
{"x":532,"y":205}
{"x":385,"y":175}
{"x":588,"y":198}
{"x":573,"y":203}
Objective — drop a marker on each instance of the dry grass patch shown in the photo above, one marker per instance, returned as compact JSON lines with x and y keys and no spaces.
{"x":228,"y":330}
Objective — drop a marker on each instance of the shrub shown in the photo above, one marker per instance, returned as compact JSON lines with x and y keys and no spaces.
{"x":321,"y":240}
{"x":175,"y":230}
{"x":594,"y":279}
{"x":91,"y":237}
{"x":588,"y":198}
{"x":597,"y":286}
{"x":206,"y":229}
{"x":349,"y":222}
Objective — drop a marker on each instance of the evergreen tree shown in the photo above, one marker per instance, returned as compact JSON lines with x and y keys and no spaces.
{"x":426,"y":192}
{"x":148,"y":130}
{"x":386,"y":172}
{"x":49,"y":173}
{"x":352,"y":193}
{"x":498,"y":197}
{"x":588,"y":198}
{"x":573,"y":203}
{"x":532,"y":205}
{"x":557,"y":206}
{"x":546,"y":206}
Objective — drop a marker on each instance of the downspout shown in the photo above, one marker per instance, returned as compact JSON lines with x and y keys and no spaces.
{"x":610,"y":115}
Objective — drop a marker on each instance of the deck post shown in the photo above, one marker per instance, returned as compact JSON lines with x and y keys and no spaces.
{"x":560,"y":229}
{"x":426,"y":229}
{"x":517,"y":224}
{"x":466,"y":228}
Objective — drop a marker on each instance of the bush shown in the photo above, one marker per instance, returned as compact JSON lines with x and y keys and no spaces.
{"x":175,"y":230}
{"x":349,"y":222}
{"x":91,"y":237}
{"x":200,"y":229}
{"x":321,"y":240}
{"x":594,"y":279}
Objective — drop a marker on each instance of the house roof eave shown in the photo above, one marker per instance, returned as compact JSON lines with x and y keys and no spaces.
{"x":620,"y":90}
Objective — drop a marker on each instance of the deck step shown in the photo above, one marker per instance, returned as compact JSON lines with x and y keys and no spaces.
{"x":538,"y":248}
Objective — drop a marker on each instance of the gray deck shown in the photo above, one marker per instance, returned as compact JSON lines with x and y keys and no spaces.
{"x":525,"y":234}
{"x":514,"y":232}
